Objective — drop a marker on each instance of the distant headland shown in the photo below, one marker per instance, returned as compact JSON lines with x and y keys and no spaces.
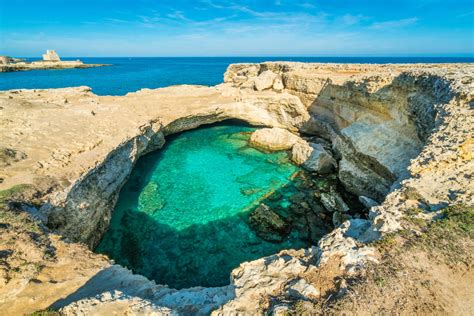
{"x":50,"y":60}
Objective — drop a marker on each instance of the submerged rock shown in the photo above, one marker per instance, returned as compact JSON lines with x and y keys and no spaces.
{"x":317,"y":227}
{"x":268,"y":225}
{"x":273,"y":139}
{"x":313,"y":157}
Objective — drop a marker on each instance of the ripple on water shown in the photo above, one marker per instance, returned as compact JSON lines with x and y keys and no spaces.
{"x":181,"y":219}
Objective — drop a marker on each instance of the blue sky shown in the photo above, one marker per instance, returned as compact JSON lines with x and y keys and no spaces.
{"x":237,"y":28}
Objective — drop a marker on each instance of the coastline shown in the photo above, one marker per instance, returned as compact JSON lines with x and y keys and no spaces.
{"x":425,"y":103}
{"x":44,"y":65}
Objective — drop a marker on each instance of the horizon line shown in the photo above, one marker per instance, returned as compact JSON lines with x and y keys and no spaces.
{"x":262,"y":56}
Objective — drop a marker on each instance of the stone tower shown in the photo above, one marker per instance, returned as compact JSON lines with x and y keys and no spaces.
{"x":51,"y":56}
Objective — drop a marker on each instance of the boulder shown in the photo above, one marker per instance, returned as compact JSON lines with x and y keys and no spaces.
{"x":301,"y":152}
{"x":265,"y":80}
{"x":313,"y":157}
{"x":239,"y":73}
{"x":273,"y":139}
{"x":333,"y":202}
{"x":268,"y":225}
{"x":361,"y":180}
{"x":278,"y":84}
{"x":301,"y":289}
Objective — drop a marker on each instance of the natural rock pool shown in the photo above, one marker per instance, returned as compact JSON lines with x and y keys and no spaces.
{"x":182,"y":217}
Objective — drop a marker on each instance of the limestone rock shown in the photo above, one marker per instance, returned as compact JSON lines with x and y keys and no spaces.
{"x":117,"y":302}
{"x":273,"y":139}
{"x":333,"y":202}
{"x":274,"y":273}
{"x":301,"y":289}
{"x":313,"y":157}
{"x":4,"y":60}
{"x":367,"y":202}
{"x":280,"y":310}
{"x":50,"y":60}
{"x":343,"y":241}
{"x":278,"y":84}
{"x":301,"y":152}
{"x":428,"y":105}
{"x":268,"y":225}
{"x":265,"y":80}
{"x":239,"y":73}
{"x":361,"y":180}
{"x":248,"y":84}
{"x":265,"y":108}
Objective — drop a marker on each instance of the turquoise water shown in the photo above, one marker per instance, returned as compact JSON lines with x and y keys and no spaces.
{"x":131,"y":74}
{"x":181,"y":219}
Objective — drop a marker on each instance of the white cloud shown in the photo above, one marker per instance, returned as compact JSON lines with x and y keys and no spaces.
{"x":465,"y":14}
{"x":393,"y":23}
{"x":350,"y":20}
{"x":307,"y":5}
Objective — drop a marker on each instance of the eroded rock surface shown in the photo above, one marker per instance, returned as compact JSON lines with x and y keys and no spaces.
{"x":313,"y":157}
{"x":273,"y":139}
{"x":394,"y":129}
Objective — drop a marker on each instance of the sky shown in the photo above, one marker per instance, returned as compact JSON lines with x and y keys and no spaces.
{"x":237,"y":28}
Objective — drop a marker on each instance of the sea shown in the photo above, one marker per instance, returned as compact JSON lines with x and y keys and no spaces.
{"x":129,"y":74}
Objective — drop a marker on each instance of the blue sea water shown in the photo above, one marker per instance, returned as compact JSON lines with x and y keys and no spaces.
{"x":131,"y":74}
{"x":181,"y":219}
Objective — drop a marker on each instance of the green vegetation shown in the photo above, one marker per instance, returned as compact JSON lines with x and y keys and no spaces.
{"x":385,"y":243}
{"x":13,"y":192}
{"x":10,"y":216}
{"x":446,"y":240}
{"x":457,"y":219}
{"x":380,"y":281}
{"x":46,"y":312}
{"x":447,"y":234}
{"x":17,"y":227}
{"x":413,"y":194}
{"x":413,"y":217}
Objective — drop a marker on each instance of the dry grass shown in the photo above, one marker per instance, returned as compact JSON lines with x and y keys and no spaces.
{"x":425,"y":269}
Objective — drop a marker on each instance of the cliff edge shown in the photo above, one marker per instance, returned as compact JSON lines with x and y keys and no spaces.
{"x":402,"y":137}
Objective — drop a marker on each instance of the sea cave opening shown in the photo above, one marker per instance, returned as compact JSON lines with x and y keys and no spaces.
{"x":206,"y":202}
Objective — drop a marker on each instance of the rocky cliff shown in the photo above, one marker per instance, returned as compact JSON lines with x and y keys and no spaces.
{"x":393,"y":128}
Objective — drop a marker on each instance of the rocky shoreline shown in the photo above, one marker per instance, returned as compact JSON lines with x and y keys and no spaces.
{"x":43,"y":65}
{"x":50,"y":60}
{"x":402,"y":136}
